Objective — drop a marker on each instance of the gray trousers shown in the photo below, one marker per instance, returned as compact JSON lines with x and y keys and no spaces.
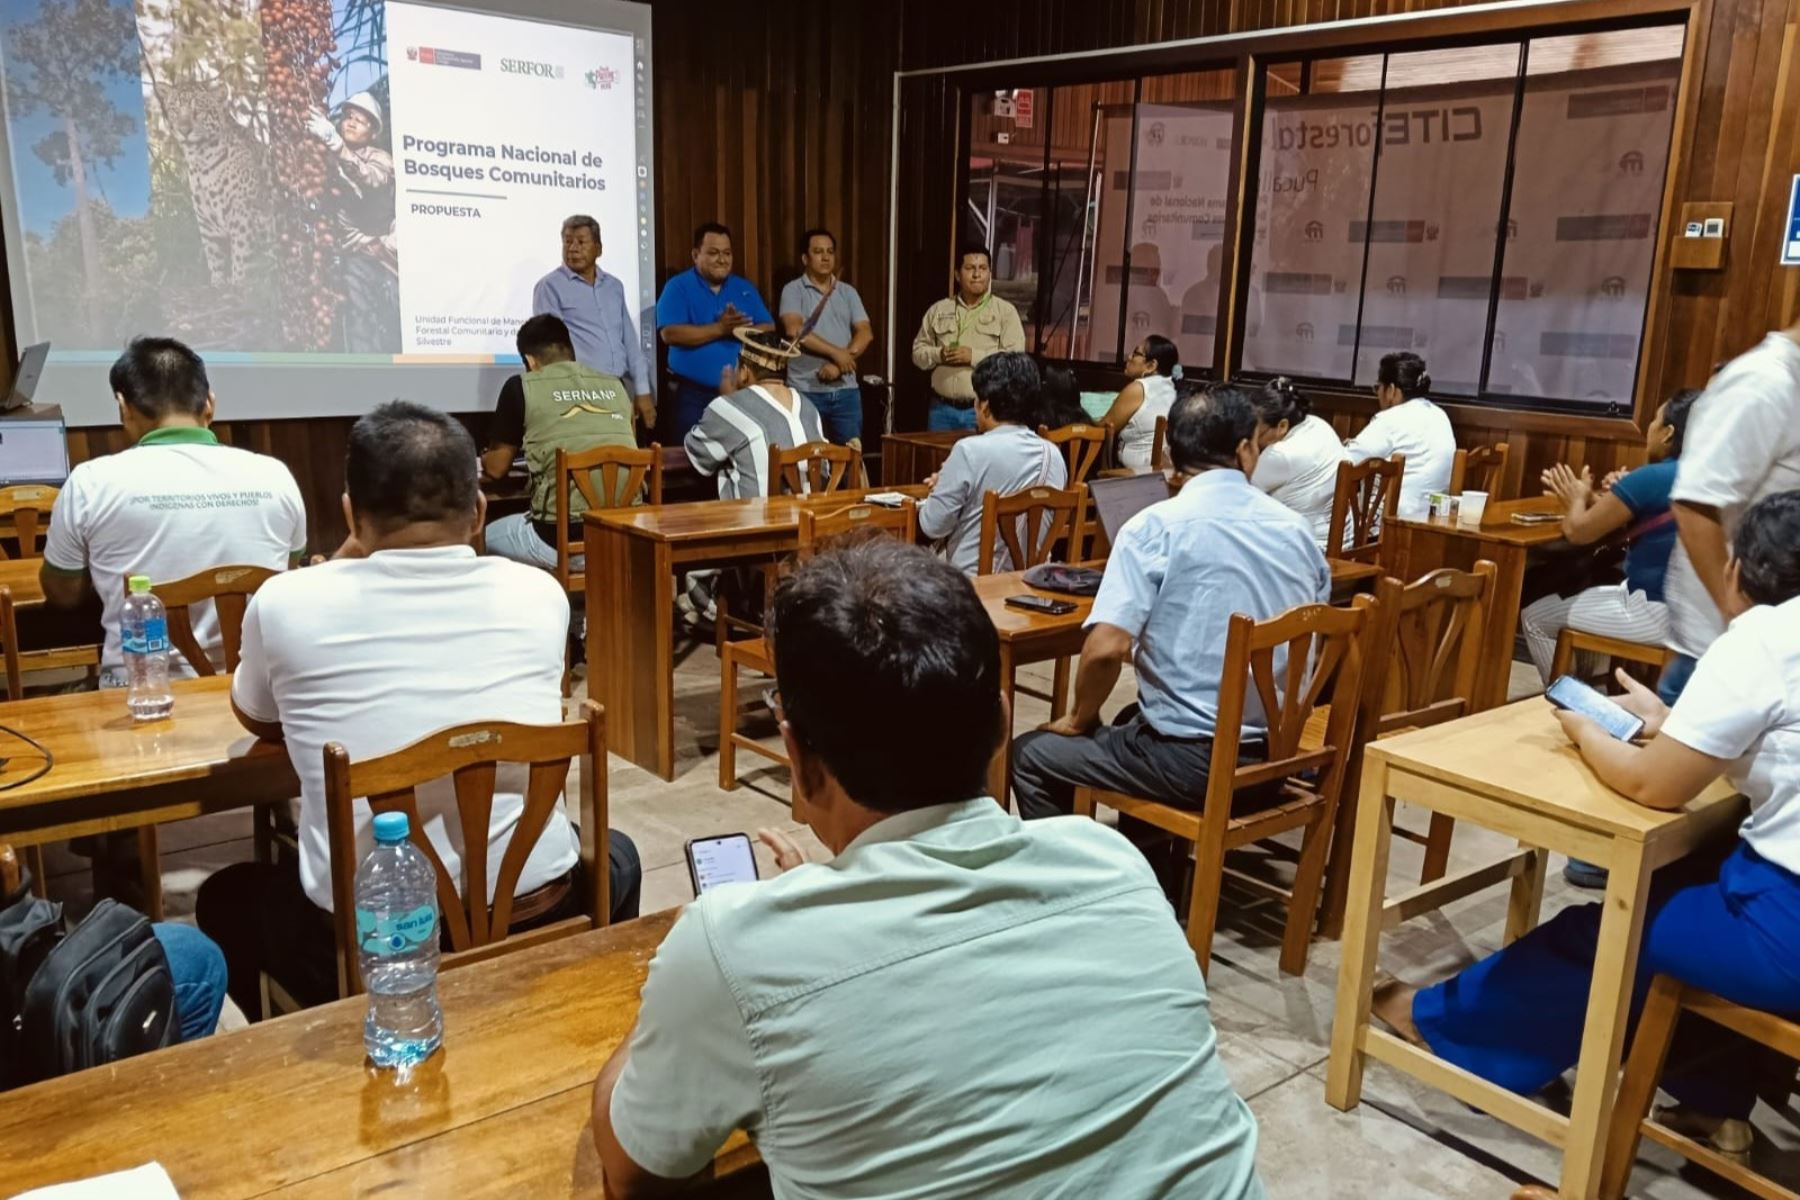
{"x":1127,"y":756}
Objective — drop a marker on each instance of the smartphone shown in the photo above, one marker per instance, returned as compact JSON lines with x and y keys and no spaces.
{"x":726,"y":858}
{"x":1041,"y":604}
{"x":1572,"y":695}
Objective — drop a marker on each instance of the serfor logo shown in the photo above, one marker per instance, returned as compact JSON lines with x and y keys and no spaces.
{"x":537,"y":70}
{"x":602,"y":78}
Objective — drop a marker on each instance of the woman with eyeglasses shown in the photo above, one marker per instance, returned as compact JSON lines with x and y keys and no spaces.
{"x":1153,"y":368}
{"x":1411,"y":425}
{"x":1300,"y":454}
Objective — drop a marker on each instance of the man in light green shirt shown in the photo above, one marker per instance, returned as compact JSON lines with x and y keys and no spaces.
{"x":957,"y":1004}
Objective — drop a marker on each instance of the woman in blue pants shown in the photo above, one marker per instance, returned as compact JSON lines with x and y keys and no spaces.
{"x":1730,"y":925}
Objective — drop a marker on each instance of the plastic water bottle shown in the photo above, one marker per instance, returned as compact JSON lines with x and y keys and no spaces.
{"x":397,"y":947}
{"x":144,"y":638}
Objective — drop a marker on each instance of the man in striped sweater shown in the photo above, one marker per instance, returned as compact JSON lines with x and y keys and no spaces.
{"x":732,"y":439}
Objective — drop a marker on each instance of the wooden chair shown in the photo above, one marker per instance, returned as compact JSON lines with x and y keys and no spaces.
{"x":1572,"y":641}
{"x":15,"y":689}
{"x":755,"y":653}
{"x":1366,"y":499}
{"x":1085,"y":447}
{"x":623,"y":475}
{"x":1158,"y":443}
{"x":1668,"y":999}
{"x":468,"y":755}
{"x":1325,"y":649}
{"x":1483,"y":469}
{"x":1030,"y":524}
{"x":25,"y":506}
{"x":229,"y":588}
{"x":814,"y":467}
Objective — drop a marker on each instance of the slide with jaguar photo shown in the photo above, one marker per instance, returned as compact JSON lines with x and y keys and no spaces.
{"x":336,"y":202}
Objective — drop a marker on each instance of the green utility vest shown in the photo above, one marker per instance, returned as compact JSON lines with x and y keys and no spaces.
{"x":571,"y":407}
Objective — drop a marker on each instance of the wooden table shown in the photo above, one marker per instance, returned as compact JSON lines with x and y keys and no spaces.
{"x":914,"y":457}
{"x":114,"y":773}
{"x":290,"y":1108}
{"x":632,"y":557}
{"x":20,"y":575}
{"x":1512,"y":770}
{"x":1026,"y":637}
{"x":1412,"y":548}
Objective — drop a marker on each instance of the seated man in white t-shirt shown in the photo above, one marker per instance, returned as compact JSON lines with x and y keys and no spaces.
{"x":174,"y":504}
{"x":405,"y":632}
{"x":896,"y":1022}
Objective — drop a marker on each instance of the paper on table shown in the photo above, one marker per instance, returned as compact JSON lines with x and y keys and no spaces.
{"x":148,"y":1182}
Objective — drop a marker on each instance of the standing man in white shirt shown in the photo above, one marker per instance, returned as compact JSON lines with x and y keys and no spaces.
{"x":592,"y":304}
{"x":406,"y":631}
{"x":1743,"y":443}
{"x":1408,"y":424}
{"x":176,"y":503}
{"x":891,"y":1023}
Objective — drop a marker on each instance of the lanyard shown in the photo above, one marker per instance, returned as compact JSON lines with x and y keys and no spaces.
{"x":965,"y":314}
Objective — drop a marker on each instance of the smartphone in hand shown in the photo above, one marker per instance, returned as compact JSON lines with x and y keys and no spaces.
{"x":725,"y":858}
{"x":1571,"y":695}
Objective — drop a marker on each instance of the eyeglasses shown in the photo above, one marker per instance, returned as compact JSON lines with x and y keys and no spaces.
{"x":1136,"y":354}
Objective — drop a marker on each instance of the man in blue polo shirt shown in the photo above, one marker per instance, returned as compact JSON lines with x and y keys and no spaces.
{"x":697,"y":317}
{"x":592,"y":304}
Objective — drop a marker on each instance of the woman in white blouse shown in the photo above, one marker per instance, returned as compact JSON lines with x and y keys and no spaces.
{"x":1411,"y":425}
{"x":1300,"y":454}
{"x":1728,"y":922}
{"x":1153,"y":368}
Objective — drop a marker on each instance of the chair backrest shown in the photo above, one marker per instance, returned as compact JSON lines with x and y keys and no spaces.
{"x":1429,"y":649}
{"x":9,"y":632}
{"x":1083,"y":445}
{"x":1366,"y":499}
{"x":1159,"y":444}
{"x":26,"y":505}
{"x":1482,"y":469}
{"x":623,"y":472}
{"x":229,"y":588}
{"x":1289,"y":663}
{"x":814,"y":467}
{"x":1030,"y":524}
{"x":470,"y":755}
{"x":856,"y":520}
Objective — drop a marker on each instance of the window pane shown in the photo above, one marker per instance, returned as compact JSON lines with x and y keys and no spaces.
{"x":1087,"y":217}
{"x":1438,"y":184}
{"x":1586,"y":200}
{"x":1006,"y":180}
{"x":1318,"y":156}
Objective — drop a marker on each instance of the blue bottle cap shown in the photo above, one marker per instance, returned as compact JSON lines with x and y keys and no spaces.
{"x":391,"y":827}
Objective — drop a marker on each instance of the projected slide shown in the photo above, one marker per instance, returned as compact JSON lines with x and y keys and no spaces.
{"x":330,"y":184}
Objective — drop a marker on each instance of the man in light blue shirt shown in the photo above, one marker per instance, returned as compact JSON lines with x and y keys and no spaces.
{"x":697,"y":318}
{"x":1179,"y":571}
{"x":826,"y":316}
{"x":898,"y":1021}
{"x":592,"y":304}
{"x":1007,"y":456}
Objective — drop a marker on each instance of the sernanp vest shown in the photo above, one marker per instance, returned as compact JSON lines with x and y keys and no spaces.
{"x":574,"y":408}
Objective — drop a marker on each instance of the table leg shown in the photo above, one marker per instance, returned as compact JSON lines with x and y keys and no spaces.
{"x":630,"y":602}
{"x":1527,"y":896}
{"x":1000,"y":771}
{"x":1362,"y":935}
{"x":1603,"y":1035}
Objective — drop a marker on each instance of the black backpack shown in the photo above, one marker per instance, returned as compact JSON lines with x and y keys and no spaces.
{"x":100,"y":993}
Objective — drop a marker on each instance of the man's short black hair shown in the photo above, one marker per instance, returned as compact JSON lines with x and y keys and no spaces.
{"x":700,"y":232}
{"x":1767,"y":549}
{"x":1675,"y":415}
{"x":408,"y":463}
{"x":1207,"y":424}
{"x":161,"y":377}
{"x":546,"y":336}
{"x":1009,"y":384}
{"x":969,"y":247}
{"x":889,"y":671}
{"x":817,"y":231}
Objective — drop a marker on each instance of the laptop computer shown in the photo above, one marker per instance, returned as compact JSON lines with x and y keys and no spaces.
{"x":25,"y":379}
{"x":1118,"y":498}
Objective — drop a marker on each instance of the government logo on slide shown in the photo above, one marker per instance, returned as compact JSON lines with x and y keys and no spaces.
{"x":540,"y":70}
{"x":433,"y":56}
{"x":602,"y":78}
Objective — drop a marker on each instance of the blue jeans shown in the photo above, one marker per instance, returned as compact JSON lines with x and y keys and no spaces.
{"x":1675,"y":678}
{"x":1515,"y":1017}
{"x":840,"y":412}
{"x":198,"y":966}
{"x":691,"y":400}
{"x":944,"y":415}
{"x":515,"y":537}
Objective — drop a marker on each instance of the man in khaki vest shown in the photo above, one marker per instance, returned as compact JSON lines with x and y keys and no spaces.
{"x":558,"y":404}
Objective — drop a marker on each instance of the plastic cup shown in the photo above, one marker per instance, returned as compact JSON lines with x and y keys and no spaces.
{"x":1474,"y":504}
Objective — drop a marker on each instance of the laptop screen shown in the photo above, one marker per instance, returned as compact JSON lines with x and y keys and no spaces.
{"x":1117,"y":499}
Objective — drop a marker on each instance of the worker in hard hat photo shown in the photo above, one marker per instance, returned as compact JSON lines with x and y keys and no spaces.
{"x":361,"y":192}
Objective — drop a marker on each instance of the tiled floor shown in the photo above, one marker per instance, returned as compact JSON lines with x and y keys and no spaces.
{"x":1404,"y":1142}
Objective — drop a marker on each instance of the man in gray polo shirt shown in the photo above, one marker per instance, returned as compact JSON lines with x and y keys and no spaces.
{"x":827,"y":318}
{"x":959,"y":1004}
